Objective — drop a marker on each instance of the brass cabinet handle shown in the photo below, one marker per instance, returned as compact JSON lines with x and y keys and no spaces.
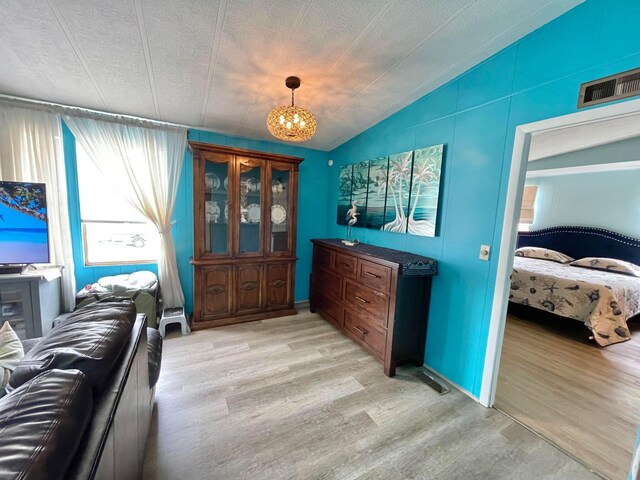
{"x":361,"y":330}
{"x":372,"y":274}
{"x":277,"y":283}
{"x":216,"y":289}
{"x":249,"y":285}
{"x":346,"y":264}
{"x":361,"y":299}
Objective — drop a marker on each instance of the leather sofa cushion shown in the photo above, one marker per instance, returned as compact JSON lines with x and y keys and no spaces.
{"x":154,"y":348}
{"x":42,"y":423}
{"x":90,"y":340}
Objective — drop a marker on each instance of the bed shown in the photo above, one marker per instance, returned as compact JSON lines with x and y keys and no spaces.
{"x":602,"y":300}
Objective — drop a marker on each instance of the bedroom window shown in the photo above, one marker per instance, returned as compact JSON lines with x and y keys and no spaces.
{"x":113,"y":231}
{"x":527,"y":210}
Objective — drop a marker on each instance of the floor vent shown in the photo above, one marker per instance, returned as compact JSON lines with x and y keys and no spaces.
{"x":621,"y":85}
{"x":433,"y":381}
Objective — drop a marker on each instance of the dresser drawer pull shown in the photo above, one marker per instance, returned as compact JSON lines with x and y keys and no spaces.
{"x":361,"y":330}
{"x":361,"y":299}
{"x":372,"y":274}
{"x":346,"y":264}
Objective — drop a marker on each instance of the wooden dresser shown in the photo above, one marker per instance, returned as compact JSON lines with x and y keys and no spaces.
{"x":377,"y":296}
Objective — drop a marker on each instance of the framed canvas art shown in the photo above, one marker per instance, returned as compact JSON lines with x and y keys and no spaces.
{"x":344,"y":193}
{"x":425,"y":190}
{"x":376,"y":195}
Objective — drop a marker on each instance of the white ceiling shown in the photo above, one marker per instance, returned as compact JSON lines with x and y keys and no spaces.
{"x":221,"y":64}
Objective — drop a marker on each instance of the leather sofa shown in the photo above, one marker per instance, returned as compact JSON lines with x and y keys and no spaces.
{"x":79,"y":404}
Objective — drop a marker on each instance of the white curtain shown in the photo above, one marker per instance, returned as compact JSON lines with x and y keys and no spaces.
{"x":144,"y":163}
{"x":31,"y":151}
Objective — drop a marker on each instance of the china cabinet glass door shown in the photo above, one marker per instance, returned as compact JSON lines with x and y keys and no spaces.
{"x":280,"y":205}
{"x":250,"y":211}
{"x":217,"y":232}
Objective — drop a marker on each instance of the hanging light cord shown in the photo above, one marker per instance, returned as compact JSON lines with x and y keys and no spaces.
{"x":292,"y":91}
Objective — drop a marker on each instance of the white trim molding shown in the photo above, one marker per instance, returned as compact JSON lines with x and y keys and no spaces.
{"x":629,"y":110}
{"x":598,"y":168}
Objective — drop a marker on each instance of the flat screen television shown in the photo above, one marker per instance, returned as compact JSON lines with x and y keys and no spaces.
{"x":24,"y":233}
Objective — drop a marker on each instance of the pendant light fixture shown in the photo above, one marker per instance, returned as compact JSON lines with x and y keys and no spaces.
{"x":291,"y":123}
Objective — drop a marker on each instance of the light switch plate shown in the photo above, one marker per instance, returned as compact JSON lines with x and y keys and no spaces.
{"x":484,"y":252}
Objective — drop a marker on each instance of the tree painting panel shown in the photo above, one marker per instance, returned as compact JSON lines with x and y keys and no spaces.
{"x":425,"y":189}
{"x":344,"y":193}
{"x":397,"y":192}
{"x":359,"y":190}
{"x":376,"y":196}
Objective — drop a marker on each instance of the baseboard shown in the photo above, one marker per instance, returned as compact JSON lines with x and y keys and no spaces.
{"x":302,"y":305}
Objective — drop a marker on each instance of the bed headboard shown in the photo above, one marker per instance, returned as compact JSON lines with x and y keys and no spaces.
{"x":580,"y":242}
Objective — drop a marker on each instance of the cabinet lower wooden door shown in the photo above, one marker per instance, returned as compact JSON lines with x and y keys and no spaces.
{"x":278,"y":285}
{"x":217,"y":291}
{"x":248,"y":288}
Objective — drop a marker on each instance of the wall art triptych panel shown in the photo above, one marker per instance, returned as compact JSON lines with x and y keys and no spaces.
{"x":398,"y":193}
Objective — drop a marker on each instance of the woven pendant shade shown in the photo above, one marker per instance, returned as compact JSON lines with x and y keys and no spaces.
{"x":291,"y":123}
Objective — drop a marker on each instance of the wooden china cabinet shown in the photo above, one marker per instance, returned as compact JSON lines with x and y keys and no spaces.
{"x":245,"y":209}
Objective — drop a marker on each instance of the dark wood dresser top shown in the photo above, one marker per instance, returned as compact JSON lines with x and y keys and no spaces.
{"x":407,"y":263}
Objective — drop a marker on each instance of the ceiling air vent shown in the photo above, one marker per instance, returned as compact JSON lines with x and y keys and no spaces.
{"x":621,"y":85}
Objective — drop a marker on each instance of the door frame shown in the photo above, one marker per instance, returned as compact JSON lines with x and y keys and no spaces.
{"x":517,"y":174}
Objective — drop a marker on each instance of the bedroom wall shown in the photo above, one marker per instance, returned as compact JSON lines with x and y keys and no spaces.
{"x":475,"y":116}
{"x":608,"y":200}
{"x":312,"y":212}
{"x":623,"y":151}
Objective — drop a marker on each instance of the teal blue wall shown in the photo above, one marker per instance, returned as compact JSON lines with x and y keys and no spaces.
{"x":476,"y":115}
{"x":312,"y":211}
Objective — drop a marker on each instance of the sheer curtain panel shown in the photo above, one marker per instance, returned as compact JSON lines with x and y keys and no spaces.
{"x":144,"y":164}
{"x":31,"y":151}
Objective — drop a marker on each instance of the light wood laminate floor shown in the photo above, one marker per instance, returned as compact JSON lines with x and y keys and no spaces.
{"x":292,"y":398}
{"x":584,"y":398}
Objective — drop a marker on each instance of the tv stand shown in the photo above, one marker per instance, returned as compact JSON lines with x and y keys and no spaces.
{"x":12,"y":269}
{"x":31,"y":300}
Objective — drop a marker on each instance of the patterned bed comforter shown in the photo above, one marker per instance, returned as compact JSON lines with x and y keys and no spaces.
{"x":602,"y":300}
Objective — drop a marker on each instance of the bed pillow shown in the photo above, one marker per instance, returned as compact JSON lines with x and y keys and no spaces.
{"x":609,"y":264}
{"x":11,"y":353}
{"x":543,"y":254}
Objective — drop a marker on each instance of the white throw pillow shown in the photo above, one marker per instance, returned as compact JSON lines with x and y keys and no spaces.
{"x":608,"y":264}
{"x":11,"y":352}
{"x":543,"y":254}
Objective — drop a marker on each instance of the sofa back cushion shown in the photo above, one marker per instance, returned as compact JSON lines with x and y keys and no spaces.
{"x":91,"y":340}
{"x":41,"y":424}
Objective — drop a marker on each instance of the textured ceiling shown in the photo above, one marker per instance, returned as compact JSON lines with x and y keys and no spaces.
{"x":221,"y":64}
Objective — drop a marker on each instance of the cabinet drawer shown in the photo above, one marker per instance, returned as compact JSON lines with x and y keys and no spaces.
{"x":374,"y":275}
{"x":345,"y":265}
{"x":373,"y":302}
{"x":278,"y":285}
{"x":364,"y":331}
{"x":330,"y":310}
{"x":215,"y":284}
{"x":248,"y":288}
{"x":322,"y":257}
{"x":328,"y":284}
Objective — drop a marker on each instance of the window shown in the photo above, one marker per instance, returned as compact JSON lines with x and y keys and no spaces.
{"x":113,"y":231}
{"x":527,"y":210}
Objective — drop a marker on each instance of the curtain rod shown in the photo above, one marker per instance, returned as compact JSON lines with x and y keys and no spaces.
{"x":72,"y":110}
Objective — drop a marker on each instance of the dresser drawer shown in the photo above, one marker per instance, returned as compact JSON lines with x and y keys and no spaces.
{"x":322,"y":257}
{"x":345,"y":265}
{"x":364,"y":331}
{"x":374,"y":275}
{"x":328,"y":283}
{"x":373,"y":302}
